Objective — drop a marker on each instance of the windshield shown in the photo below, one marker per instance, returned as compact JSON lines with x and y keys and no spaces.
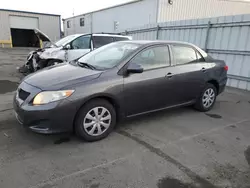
{"x":109,"y":56}
{"x":65,"y":40}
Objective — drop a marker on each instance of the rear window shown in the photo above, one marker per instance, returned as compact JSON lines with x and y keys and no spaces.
{"x":99,"y":41}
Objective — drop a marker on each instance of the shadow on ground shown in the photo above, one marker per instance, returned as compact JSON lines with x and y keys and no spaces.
{"x":7,"y":86}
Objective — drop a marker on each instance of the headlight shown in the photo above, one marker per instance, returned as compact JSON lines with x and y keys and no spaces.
{"x":51,"y":96}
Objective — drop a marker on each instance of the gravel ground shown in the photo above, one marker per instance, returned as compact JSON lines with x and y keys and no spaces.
{"x":175,"y":148}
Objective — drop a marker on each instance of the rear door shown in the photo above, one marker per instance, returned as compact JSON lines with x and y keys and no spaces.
{"x":189,"y":72}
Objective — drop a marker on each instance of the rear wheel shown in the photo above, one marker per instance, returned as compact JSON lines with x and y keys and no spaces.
{"x":207,"y":98}
{"x":95,"y":120}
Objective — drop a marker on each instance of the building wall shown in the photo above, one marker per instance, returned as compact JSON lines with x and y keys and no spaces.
{"x":193,"y":9}
{"x":75,"y":25}
{"x":128,"y":16}
{"x":48,"y":24}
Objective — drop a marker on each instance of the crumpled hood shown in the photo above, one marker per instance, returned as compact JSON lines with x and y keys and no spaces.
{"x":60,"y":76}
{"x":53,"y":53}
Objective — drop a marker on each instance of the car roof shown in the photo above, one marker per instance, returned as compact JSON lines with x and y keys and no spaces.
{"x":77,"y":35}
{"x":110,"y":35}
{"x":102,"y":34}
{"x":146,"y":43}
{"x":149,"y":42}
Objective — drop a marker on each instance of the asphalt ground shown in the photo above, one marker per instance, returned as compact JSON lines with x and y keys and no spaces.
{"x":173,"y":148}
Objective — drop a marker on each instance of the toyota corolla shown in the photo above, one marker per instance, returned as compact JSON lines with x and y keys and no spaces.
{"x":121,"y":79}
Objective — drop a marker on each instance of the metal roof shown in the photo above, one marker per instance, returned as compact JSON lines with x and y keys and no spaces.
{"x":158,"y":42}
{"x":9,"y":10}
{"x":119,"y":5}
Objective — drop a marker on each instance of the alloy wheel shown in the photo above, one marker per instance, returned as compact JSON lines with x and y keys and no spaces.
{"x":208,"y":98}
{"x":97,"y":121}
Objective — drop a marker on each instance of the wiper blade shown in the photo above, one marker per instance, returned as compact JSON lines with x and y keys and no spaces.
{"x":82,"y":64}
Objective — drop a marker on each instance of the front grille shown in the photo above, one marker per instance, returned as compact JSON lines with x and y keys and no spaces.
{"x":23,"y":94}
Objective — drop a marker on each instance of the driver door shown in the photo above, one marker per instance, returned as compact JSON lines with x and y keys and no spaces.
{"x":79,"y":47}
{"x":151,"y":89}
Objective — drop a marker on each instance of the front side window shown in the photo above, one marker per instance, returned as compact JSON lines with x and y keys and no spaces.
{"x":82,"y":42}
{"x":99,"y":41}
{"x":68,"y":24}
{"x":109,"y":56}
{"x":65,"y":40}
{"x":82,"y":22}
{"x":184,"y":55}
{"x":152,"y":58}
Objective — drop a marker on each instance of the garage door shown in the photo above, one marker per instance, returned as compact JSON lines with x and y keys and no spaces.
{"x":22,"y":22}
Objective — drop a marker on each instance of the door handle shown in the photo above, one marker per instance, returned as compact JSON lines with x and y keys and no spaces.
{"x":203,"y":69}
{"x":169,"y":75}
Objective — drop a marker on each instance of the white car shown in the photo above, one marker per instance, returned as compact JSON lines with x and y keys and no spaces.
{"x":68,"y":48}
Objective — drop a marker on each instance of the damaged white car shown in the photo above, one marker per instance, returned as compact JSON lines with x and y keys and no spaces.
{"x":67,"y":49}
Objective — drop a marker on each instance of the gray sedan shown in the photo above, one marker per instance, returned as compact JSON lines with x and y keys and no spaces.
{"x":121,"y":79}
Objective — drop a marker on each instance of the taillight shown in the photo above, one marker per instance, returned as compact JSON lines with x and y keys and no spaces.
{"x":226,"y":68}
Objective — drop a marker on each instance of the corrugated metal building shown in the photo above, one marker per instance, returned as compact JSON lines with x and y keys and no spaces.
{"x":16,"y":27}
{"x":141,"y":12}
{"x":113,"y":18}
{"x":225,"y":37}
{"x":195,"y":9}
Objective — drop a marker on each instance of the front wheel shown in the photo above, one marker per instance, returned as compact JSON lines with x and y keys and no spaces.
{"x":207,"y":98}
{"x":95,"y":120}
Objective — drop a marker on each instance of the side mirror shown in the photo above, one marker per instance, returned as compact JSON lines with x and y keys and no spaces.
{"x":134,"y":68}
{"x":67,"y":47}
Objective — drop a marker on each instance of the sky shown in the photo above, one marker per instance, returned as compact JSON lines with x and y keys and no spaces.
{"x":63,"y":7}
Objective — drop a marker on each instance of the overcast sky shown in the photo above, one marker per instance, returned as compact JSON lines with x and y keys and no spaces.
{"x":62,"y":7}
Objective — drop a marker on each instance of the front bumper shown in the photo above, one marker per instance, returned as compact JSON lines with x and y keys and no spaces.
{"x":50,"y":118}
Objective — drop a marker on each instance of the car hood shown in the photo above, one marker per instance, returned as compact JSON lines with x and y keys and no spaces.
{"x":52,"y":49}
{"x":53,"y":53}
{"x":45,"y":40}
{"x":60,"y":76}
{"x":43,"y":37}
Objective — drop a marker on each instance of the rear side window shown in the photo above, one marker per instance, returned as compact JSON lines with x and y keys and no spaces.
{"x":184,"y":55}
{"x":99,"y":41}
{"x":120,"y":38}
{"x":199,"y":57}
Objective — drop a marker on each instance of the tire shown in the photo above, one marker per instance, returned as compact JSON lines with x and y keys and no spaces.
{"x":53,"y":62}
{"x":204,"y":105}
{"x":86,"y":120}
